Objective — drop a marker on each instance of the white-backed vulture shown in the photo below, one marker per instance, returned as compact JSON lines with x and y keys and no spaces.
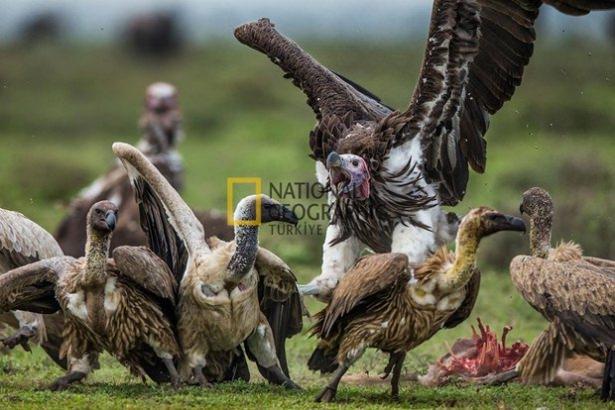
{"x":381,"y":303}
{"x":389,"y":172}
{"x":160,"y":124}
{"x":574,"y":293}
{"x":228,"y":295}
{"x":124,"y":305}
{"x":22,"y":242}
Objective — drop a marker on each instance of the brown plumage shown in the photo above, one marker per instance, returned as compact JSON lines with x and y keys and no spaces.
{"x":393,"y":169}
{"x":22,"y":242}
{"x":160,"y":124}
{"x":230,"y":293}
{"x":381,"y":303}
{"x":124,"y":305}
{"x":574,"y":293}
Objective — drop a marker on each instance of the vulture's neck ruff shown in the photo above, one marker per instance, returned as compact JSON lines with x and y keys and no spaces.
{"x":394,"y":198}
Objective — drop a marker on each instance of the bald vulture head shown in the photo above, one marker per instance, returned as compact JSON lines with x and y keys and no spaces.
{"x":537,"y":204}
{"x":485,"y":221}
{"x":161,"y":97}
{"x":102,"y":217}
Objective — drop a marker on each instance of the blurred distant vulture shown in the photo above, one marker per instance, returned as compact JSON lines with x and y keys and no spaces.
{"x":161,"y":127}
{"x":154,"y":34}
{"x":41,"y":27}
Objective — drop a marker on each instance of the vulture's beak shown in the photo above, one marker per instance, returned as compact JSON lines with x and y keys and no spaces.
{"x":334,"y":160}
{"x":288,"y":216}
{"x":512,"y":223}
{"x":111,"y":220}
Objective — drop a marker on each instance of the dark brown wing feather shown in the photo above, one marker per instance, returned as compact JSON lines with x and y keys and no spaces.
{"x":370,"y":275}
{"x":162,"y":238}
{"x":333,"y":97}
{"x":505,"y":45}
{"x":464,"y":311}
{"x":32,"y":287}
{"x":279,"y":299}
{"x":143,"y":267}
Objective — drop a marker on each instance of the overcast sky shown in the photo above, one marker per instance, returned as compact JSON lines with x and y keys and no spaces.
{"x":206,"y":19}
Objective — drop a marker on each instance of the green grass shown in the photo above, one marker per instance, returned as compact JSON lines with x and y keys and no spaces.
{"x":62,"y":107}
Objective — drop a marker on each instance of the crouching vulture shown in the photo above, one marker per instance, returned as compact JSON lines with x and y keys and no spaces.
{"x":124,"y":305}
{"x":229,"y":294}
{"x":574,"y":293}
{"x":389,"y":172}
{"x":160,"y":124}
{"x":22,"y":242}
{"x":382,"y":303}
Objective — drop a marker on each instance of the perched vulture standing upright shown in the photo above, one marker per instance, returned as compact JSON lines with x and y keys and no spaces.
{"x":161,"y":127}
{"x":390,"y":171}
{"x":574,"y":293}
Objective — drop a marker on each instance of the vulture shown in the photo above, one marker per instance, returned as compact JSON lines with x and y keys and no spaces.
{"x":22,"y":242}
{"x":383,"y":303}
{"x":574,"y":293}
{"x":125,"y":305}
{"x":389,"y":172}
{"x":231,"y":293}
{"x":160,"y":124}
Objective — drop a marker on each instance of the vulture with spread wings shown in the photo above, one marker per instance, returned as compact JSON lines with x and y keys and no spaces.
{"x":390,"y":171}
{"x":230,"y":293}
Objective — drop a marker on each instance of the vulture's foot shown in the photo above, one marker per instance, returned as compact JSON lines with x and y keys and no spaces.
{"x":21,"y":337}
{"x":62,"y":383}
{"x":201,"y":379}
{"x":327,"y":395}
{"x":278,"y":377}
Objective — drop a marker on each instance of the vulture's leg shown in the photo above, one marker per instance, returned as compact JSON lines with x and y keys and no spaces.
{"x":262,"y":346}
{"x":330,"y":390}
{"x":608,"y":380}
{"x":175,"y":380}
{"x":399,"y":364}
{"x":336,"y":260}
{"x":78,"y":369}
{"x":30,"y":325}
{"x":197,"y":371}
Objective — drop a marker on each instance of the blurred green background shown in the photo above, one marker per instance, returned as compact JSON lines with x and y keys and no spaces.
{"x":62,"y":107}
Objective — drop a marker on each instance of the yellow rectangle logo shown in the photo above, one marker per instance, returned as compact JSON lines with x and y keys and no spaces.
{"x":230,"y":209}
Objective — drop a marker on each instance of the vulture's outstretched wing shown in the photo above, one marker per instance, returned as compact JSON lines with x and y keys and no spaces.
{"x":144,"y":268}
{"x":577,"y":294}
{"x":22,"y":241}
{"x":32,"y":287}
{"x":280,"y":300}
{"x":173,"y":231}
{"x":369,"y":276}
{"x":332,"y":97}
{"x":460,"y":85}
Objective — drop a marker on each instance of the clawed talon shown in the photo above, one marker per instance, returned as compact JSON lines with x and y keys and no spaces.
{"x":326,"y":396}
{"x":59,"y":385}
{"x":21,"y":337}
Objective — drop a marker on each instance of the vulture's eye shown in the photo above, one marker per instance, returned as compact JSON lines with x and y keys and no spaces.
{"x":355,"y":163}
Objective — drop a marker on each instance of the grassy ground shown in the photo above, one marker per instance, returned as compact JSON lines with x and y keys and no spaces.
{"x":63,"y":106}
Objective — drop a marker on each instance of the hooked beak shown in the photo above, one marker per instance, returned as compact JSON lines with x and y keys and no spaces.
{"x":334,"y":160}
{"x":512,"y":223}
{"x":288,"y":216}
{"x":111,"y":220}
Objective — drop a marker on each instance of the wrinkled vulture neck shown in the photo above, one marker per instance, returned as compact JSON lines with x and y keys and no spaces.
{"x":96,"y":253}
{"x":466,"y":246}
{"x":246,"y":240}
{"x":540,"y":235}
